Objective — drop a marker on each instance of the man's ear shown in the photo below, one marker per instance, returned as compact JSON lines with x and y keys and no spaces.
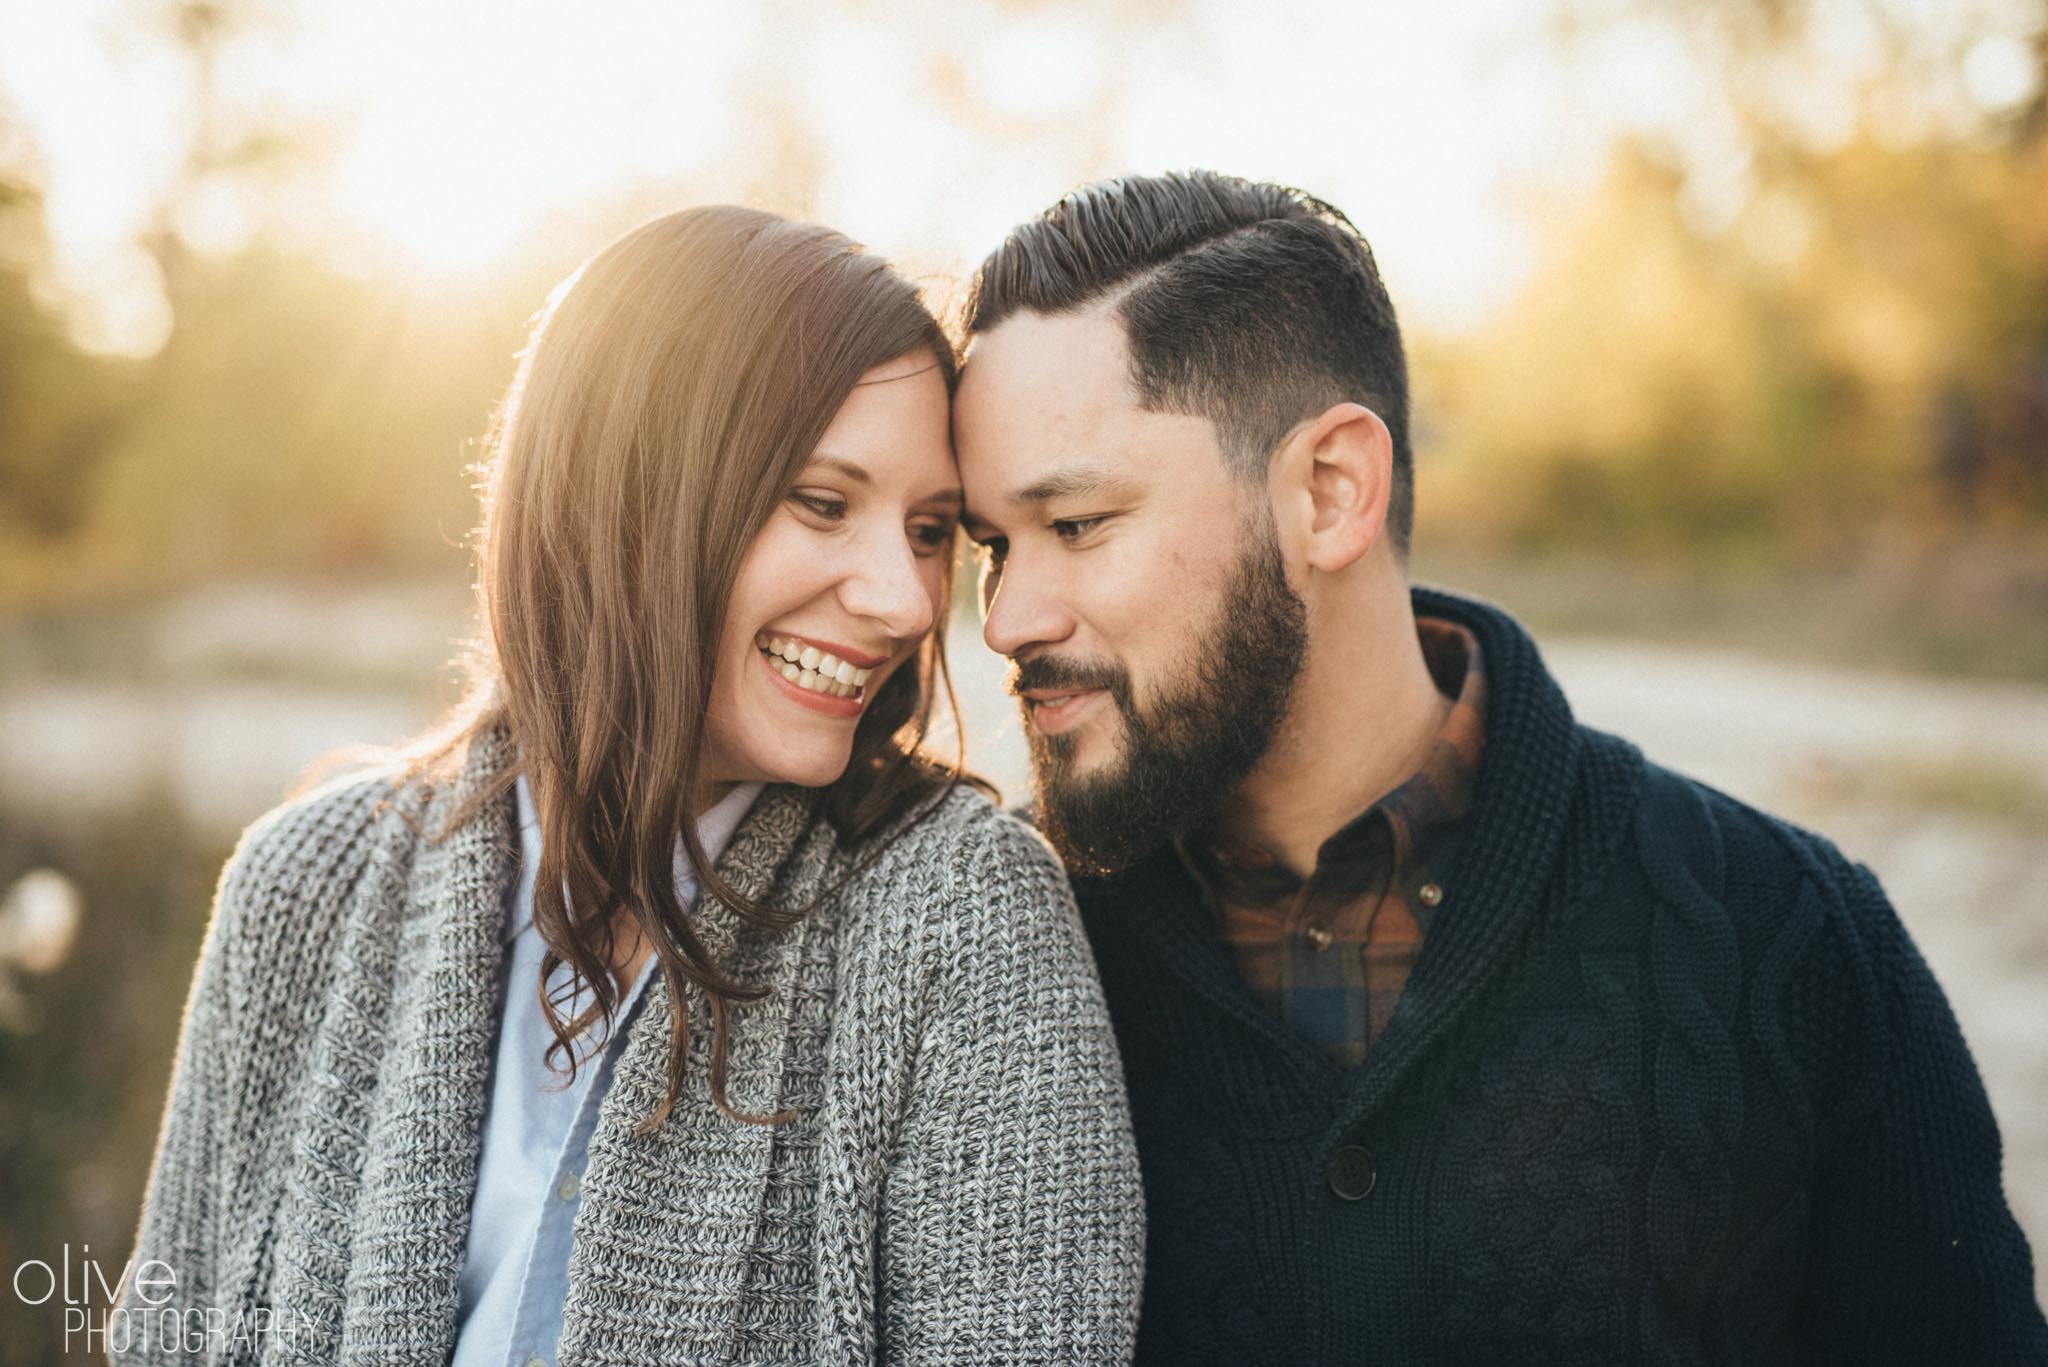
{"x":1336,"y":473}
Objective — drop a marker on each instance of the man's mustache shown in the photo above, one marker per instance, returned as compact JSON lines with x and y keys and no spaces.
{"x":1053,"y":671}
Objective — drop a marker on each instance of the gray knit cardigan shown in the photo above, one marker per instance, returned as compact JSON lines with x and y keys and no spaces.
{"x":959,"y":1183}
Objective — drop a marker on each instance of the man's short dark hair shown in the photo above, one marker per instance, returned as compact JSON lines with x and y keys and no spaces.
{"x":1251,"y":304}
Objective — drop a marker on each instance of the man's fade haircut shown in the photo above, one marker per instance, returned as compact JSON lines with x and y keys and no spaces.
{"x":1251,"y":304}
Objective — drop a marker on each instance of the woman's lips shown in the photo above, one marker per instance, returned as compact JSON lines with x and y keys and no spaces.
{"x":823,"y":703}
{"x":809,"y":651}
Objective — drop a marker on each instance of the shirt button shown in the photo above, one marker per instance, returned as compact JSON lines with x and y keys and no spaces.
{"x":536,"y":1361}
{"x":1430,"y":894}
{"x":567,"y":1191}
{"x":1319,"y":936}
{"x":1351,"y":1173}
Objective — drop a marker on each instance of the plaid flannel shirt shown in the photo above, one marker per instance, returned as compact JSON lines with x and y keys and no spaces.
{"x":1330,"y":954}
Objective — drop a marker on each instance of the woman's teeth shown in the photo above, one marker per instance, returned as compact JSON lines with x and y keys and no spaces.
{"x":806,"y":666}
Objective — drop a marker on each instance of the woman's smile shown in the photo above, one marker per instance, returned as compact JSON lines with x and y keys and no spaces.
{"x":822,"y":680}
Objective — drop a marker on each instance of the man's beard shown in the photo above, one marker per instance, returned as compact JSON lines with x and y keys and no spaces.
{"x":1185,"y":753}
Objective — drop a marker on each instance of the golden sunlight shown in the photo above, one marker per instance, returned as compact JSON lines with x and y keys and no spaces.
{"x":438,"y":138}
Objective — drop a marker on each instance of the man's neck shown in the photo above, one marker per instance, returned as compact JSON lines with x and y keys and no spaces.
{"x":1363,"y":717}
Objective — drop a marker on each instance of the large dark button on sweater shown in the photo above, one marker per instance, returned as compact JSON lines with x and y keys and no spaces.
{"x":1351,"y":1173}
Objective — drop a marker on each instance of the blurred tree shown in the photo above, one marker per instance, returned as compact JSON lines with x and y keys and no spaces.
{"x":59,"y":410}
{"x":296,"y":421}
{"x":1864,"y":343}
{"x":1858,"y":336}
{"x":1860,"y":345}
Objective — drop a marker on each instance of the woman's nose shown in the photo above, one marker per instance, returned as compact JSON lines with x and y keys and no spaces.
{"x":891,"y":586}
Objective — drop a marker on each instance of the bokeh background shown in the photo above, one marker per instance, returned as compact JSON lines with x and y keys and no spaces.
{"x":1728,"y":323}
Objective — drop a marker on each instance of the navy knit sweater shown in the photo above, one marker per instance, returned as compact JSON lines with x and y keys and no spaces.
{"x":1670,"y":1084}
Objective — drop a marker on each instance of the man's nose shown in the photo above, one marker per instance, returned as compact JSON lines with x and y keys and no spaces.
{"x":1022,"y":608}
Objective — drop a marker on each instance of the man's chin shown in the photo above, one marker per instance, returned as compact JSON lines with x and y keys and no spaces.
{"x":1080,"y":763}
{"x":1093,"y":822}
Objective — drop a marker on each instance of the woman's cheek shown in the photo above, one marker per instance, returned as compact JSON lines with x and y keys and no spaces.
{"x":938,"y":568}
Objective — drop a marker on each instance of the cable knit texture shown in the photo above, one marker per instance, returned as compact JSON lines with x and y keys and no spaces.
{"x":959,"y":1184}
{"x":1669,"y":1085}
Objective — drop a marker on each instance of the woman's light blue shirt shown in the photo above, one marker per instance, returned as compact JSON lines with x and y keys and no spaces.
{"x":515,"y":1272}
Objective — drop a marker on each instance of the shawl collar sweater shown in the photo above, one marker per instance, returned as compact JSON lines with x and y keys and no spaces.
{"x":958,"y":1184}
{"x":1669,"y":1084}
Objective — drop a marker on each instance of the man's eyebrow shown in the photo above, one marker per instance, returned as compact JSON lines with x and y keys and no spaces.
{"x":1077,"y":481}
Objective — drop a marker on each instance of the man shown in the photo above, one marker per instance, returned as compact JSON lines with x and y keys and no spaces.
{"x":1455,"y":1031}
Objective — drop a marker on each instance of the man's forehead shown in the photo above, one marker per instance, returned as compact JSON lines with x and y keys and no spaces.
{"x":1076,"y":362}
{"x":1046,"y":410}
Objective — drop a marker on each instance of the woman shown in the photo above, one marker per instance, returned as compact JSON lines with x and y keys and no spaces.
{"x":469,"y":1063}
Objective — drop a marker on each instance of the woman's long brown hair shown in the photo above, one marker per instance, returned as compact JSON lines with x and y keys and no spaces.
{"x":671,"y":391}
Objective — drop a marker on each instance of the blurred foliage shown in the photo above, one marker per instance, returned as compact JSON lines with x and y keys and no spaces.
{"x":298,"y":420}
{"x":1858,"y":351}
{"x":81,"y":1092}
{"x":58,"y":409}
{"x":1864,"y":347}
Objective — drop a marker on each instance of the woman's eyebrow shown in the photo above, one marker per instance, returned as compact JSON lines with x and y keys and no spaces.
{"x":951,"y":497}
{"x":947,"y":499}
{"x":845,"y":467}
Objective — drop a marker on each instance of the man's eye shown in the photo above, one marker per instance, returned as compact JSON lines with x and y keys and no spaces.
{"x":1074,"y":528}
{"x":818,"y":505}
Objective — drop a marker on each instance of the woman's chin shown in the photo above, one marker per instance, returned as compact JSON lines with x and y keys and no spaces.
{"x":806,"y":771}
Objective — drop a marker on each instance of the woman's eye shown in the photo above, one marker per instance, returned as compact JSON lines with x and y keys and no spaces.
{"x":1074,"y":528}
{"x":931,"y":537}
{"x":819,"y":505}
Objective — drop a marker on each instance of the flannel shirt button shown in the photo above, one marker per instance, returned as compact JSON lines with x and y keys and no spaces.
{"x":1430,"y":894}
{"x":1351,"y":1173}
{"x":1320,"y":936}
